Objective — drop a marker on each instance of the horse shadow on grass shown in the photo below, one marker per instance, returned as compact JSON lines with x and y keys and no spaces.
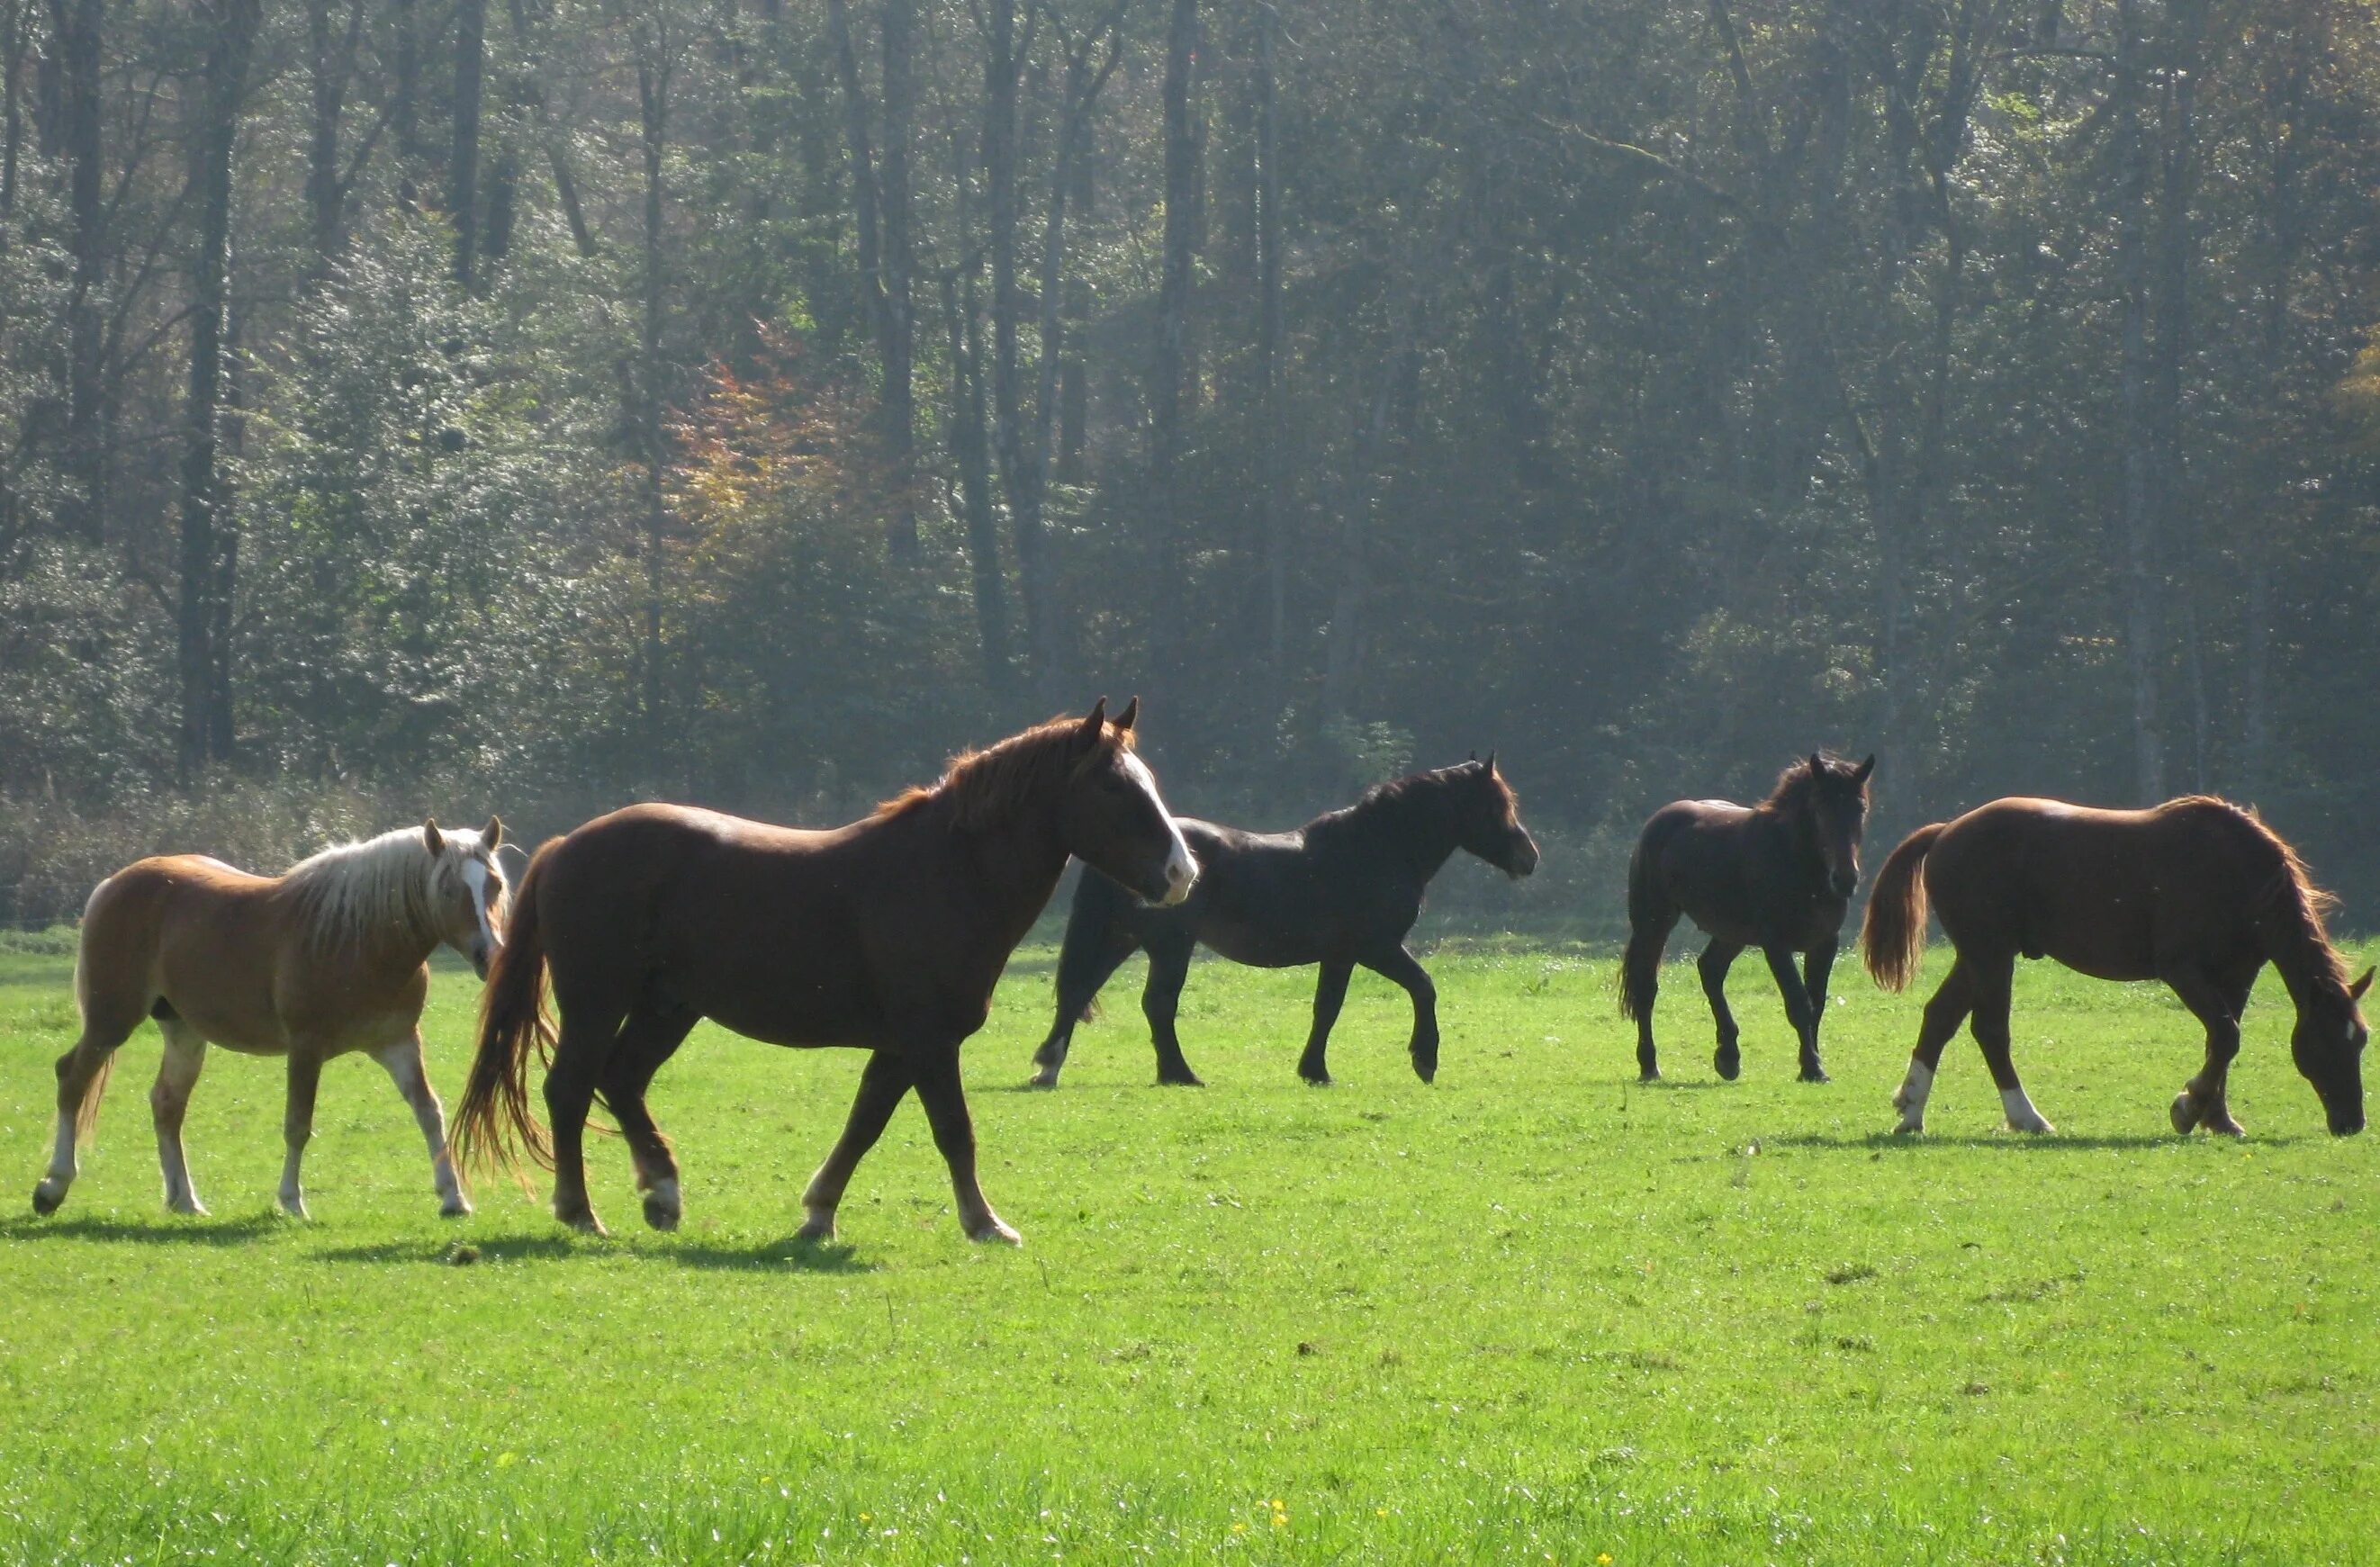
{"x":772,"y":1256}
{"x":193,"y":1232}
{"x":2055,"y":1142}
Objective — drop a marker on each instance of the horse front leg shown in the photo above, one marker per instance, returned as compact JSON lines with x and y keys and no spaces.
{"x":1797,"y":1009}
{"x":940,"y":1090}
{"x":402,"y":1062}
{"x":1161,"y":1002}
{"x":1817,"y":968}
{"x":1717,"y":959}
{"x":886,"y":1078}
{"x":1994,"y":981}
{"x":1330,"y":995}
{"x":1401,"y":967}
{"x":298,"y":1124}
{"x":2202,"y":1100}
{"x":169,"y":1102}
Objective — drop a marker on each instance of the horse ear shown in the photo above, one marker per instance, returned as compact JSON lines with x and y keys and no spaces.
{"x":1491,"y":763}
{"x":1817,"y":765}
{"x":431,"y":836}
{"x":1860,"y":775}
{"x":1131,"y":711}
{"x":493,"y":835}
{"x":1473,"y":757}
{"x":2355,"y":991}
{"x":1099,"y":717}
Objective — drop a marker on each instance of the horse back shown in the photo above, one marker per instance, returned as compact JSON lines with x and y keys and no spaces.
{"x":2118,"y":894}
{"x":1727,"y":868}
{"x":1283,"y":900}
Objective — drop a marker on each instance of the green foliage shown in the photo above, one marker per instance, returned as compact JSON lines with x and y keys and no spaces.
{"x":1530,"y":1311}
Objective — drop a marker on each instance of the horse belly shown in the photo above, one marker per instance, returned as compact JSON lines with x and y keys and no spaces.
{"x":1261,"y":946}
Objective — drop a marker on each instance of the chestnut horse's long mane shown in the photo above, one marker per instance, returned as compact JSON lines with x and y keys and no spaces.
{"x":2294,"y":908}
{"x":987,"y":787}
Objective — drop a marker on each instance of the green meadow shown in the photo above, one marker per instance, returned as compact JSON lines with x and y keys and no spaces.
{"x":1535,"y":1312}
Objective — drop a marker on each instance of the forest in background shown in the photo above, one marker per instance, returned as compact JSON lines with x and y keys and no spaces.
{"x":413,"y":405}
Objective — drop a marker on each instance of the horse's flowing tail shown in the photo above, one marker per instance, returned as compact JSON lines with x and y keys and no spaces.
{"x":86,"y":1112}
{"x":494,"y":1114}
{"x":1893,"y":935}
{"x":1648,"y":933}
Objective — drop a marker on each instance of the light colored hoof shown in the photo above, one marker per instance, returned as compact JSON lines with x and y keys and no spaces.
{"x":454,"y":1208}
{"x":584,"y":1222}
{"x":1044,"y":1078}
{"x":2035,"y":1127}
{"x":817,"y":1228}
{"x":295,"y":1207}
{"x":192,"y":1207}
{"x":1909,"y":1126}
{"x":993,"y":1228}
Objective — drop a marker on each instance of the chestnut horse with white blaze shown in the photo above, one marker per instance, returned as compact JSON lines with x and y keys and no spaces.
{"x":330,"y":957}
{"x":887,"y":934}
{"x":2196,"y":893}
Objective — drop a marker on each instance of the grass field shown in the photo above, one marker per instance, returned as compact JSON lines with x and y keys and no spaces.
{"x":1532,"y":1313}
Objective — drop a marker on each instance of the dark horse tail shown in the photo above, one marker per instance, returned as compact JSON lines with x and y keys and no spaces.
{"x":494,"y":1114}
{"x":1893,"y":936}
{"x":1649,"y":932}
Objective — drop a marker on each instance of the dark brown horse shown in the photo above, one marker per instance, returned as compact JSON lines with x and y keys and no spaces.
{"x":888,"y":934}
{"x":2196,"y":893}
{"x":1342,"y":890}
{"x":1777,"y":876}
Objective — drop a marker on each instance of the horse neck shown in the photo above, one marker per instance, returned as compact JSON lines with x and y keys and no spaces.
{"x":1791,"y":827}
{"x":380,"y":941}
{"x":1419,"y":825}
{"x":1020,"y":860}
{"x":2299,"y":954}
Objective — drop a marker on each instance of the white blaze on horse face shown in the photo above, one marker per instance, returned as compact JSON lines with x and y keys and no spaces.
{"x":2022,"y":1116}
{"x":1910,"y":1100}
{"x":1181,"y":866}
{"x":475,"y":876}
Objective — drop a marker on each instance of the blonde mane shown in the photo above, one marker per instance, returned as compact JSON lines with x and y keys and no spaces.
{"x":984,"y":787}
{"x":351,"y":891}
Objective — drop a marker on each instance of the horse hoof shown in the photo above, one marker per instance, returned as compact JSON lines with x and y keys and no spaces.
{"x":985,"y":1235}
{"x":1815,"y":1074}
{"x":1727,"y":1064}
{"x":194,"y":1208}
{"x":2185,"y":1112}
{"x":660,"y":1215}
{"x":1320,"y":1081}
{"x":1181,"y":1080}
{"x":292,"y":1207}
{"x":1426,"y":1070}
{"x":584,"y":1222}
{"x":817,"y":1229}
{"x":454,"y":1208}
{"x":45,"y":1201}
{"x":1909,"y":1129}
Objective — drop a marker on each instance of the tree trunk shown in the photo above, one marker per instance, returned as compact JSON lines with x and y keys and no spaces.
{"x":971,"y":447}
{"x":2285,"y":99}
{"x":12,"y":114}
{"x":75,"y":27}
{"x":1171,"y":367}
{"x":2144,"y":634}
{"x":463,"y":172}
{"x":405,"y":98}
{"x":1342,"y":659}
{"x":204,"y":537}
{"x":654,"y":63}
{"x":900,"y":399}
{"x":1268,"y":351}
{"x":2171,"y":487}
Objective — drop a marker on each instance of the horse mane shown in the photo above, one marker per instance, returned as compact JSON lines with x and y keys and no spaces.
{"x":1796,"y":783}
{"x":350,"y":890}
{"x":1385,"y":798}
{"x":2296,"y":910}
{"x":986,"y":786}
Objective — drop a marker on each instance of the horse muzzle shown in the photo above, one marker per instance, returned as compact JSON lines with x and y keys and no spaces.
{"x":1523,"y":860}
{"x":1181,"y":875}
{"x":482,"y":957}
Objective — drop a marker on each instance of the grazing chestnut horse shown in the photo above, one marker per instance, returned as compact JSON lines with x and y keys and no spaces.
{"x":329,"y":958}
{"x":888,"y":934}
{"x":1777,"y":876}
{"x":2195,"y":892}
{"x":1342,"y":890}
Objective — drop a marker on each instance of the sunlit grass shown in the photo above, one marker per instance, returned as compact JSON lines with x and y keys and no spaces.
{"x":1532,"y":1312}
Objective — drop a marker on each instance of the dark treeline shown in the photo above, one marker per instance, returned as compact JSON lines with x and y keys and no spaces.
{"x":426,"y":402}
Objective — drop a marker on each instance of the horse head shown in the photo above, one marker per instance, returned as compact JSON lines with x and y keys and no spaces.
{"x":1488,"y":819}
{"x":2327,"y":1045}
{"x":468,"y":890}
{"x":1833,"y":797}
{"x":1110,"y":816}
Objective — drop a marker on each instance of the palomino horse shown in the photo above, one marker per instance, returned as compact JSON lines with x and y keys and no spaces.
{"x":331,"y":957}
{"x":2196,"y":893}
{"x":888,"y":934}
{"x":1340,"y":891}
{"x":1777,"y":876}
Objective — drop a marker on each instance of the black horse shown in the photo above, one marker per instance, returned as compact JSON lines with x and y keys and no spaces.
{"x":1340,"y":891}
{"x":1777,"y":876}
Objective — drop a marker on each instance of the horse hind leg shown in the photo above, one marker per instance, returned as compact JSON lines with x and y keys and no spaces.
{"x":82,"y":1076}
{"x":1953,"y":999}
{"x":169,"y":1102}
{"x":570,"y":1083}
{"x":646,"y":1041}
{"x":1640,"y":982}
{"x":402,"y":1062}
{"x":1077,"y":993}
